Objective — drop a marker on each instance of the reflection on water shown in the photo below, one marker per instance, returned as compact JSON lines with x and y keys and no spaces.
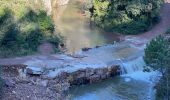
{"x":76,"y":29}
{"x":113,"y":89}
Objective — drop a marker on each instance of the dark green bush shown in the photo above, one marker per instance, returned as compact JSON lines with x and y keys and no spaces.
{"x":45,"y":22}
{"x":6,"y":15}
{"x":9,"y":39}
{"x":1,"y":85}
{"x":168,"y":31}
{"x":155,"y":52}
{"x":34,"y":39}
{"x":30,"y":16}
{"x":161,"y":89}
{"x":23,"y":36}
{"x":55,"y":40}
{"x":126,"y":16}
{"x":157,"y":56}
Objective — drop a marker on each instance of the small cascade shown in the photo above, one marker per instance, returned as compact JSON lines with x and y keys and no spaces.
{"x":132,"y":66}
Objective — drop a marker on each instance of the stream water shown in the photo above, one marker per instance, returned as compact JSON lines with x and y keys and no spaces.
{"x":132,"y":85}
{"x":76,"y":28}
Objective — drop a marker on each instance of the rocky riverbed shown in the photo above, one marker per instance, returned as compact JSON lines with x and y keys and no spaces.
{"x":27,"y":77}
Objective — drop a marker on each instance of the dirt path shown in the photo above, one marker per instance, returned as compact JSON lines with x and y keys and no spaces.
{"x":46,"y":49}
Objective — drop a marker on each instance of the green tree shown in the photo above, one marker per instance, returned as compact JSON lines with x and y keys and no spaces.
{"x":157,"y":56}
{"x":9,"y":39}
{"x":126,"y":16}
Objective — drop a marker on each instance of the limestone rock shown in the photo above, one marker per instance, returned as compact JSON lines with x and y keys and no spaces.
{"x":94,"y":78}
{"x":9,"y":83}
{"x":62,"y":2}
{"x":34,"y":70}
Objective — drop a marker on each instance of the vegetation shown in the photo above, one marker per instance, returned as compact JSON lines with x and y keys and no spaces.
{"x":1,"y":85}
{"x":157,"y":56}
{"x":126,"y":16}
{"x":168,"y":31}
{"x":21,"y":35}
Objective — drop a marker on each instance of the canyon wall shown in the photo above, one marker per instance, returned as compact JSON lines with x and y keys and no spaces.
{"x":50,"y":4}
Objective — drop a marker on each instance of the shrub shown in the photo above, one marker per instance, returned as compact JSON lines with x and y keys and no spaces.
{"x":168,"y":31}
{"x":4,"y":16}
{"x":45,"y":22}
{"x":157,"y":56}
{"x":23,"y":36}
{"x":9,"y":39}
{"x":30,"y":16}
{"x":156,"y":52}
{"x":1,"y":85}
{"x":34,"y":39}
{"x":126,"y":16}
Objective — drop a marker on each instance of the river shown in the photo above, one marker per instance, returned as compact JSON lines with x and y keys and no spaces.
{"x":76,"y":28}
{"x":78,"y":33}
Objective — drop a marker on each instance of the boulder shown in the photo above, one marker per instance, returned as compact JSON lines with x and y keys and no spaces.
{"x":34,"y":70}
{"x":86,"y":49}
{"x":79,"y":77}
{"x":89,"y":72}
{"x":9,"y":83}
{"x":42,"y":83}
{"x":113,"y":70}
{"x":94,"y":78}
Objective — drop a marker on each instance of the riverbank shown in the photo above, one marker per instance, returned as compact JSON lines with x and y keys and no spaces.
{"x":64,"y":71}
{"x":44,"y":75}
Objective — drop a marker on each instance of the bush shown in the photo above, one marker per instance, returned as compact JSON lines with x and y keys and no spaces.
{"x":23,"y":36}
{"x":30,"y":16}
{"x":45,"y":22}
{"x":1,"y":85}
{"x":9,"y":39}
{"x":126,"y":16}
{"x":168,"y":31}
{"x":157,"y":56}
{"x":4,"y":16}
{"x":155,"y":53}
{"x":34,"y":39}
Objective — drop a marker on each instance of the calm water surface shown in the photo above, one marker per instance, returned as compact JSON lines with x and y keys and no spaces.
{"x":76,"y":28}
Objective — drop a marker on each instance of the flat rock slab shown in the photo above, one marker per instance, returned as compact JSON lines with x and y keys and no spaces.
{"x":100,"y":57}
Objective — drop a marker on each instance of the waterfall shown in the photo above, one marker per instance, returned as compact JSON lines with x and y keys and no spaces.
{"x":134,"y":65}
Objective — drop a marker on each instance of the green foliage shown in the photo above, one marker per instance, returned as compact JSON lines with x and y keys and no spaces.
{"x":30,"y":16}
{"x":23,"y":36}
{"x":1,"y":85}
{"x":34,"y":39}
{"x":19,"y":7}
{"x":45,"y":22}
{"x":10,"y":37}
{"x":4,"y":16}
{"x":55,"y":39}
{"x":168,"y":31}
{"x":157,"y":56}
{"x":126,"y":16}
{"x":156,"y":53}
{"x":162,"y":89}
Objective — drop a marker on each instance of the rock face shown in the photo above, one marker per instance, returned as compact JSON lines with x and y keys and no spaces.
{"x":63,"y":81}
{"x":91,"y":75}
{"x":34,"y":70}
{"x":62,"y":2}
{"x":49,"y":4}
